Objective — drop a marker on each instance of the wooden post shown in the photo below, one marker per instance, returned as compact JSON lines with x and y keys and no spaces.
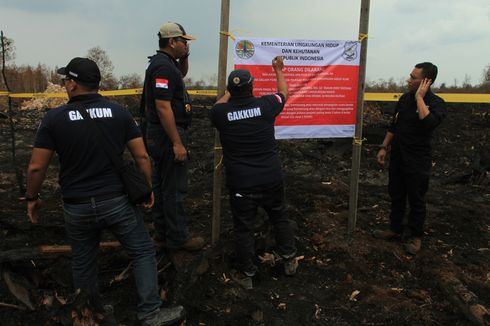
{"x":218,"y":152}
{"x":357,"y":143}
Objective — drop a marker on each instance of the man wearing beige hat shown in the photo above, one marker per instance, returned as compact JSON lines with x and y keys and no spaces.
{"x":168,"y":113}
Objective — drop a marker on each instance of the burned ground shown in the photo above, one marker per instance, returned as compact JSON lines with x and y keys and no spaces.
{"x":341,"y":280}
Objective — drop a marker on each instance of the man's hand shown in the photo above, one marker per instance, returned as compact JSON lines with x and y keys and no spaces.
{"x":282,"y":85}
{"x":180,"y":153}
{"x":32,"y":210}
{"x":36,"y":172}
{"x":187,"y":51}
{"x":278,"y":63}
{"x":149,"y":203}
{"x":423,"y":88}
{"x":381,"y":156}
{"x":225,"y":98}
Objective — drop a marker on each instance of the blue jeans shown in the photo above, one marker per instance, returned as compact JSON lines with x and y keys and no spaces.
{"x":170,"y":184}
{"x":84,"y":224}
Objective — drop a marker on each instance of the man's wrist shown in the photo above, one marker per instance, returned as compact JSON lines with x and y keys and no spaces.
{"x":32,"y":198}
{"x":383,"y":146}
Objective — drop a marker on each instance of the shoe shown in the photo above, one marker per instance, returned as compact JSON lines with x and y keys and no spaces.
{"x":159,"y":241}
{"x":413,"y":246}
{"x":386,"y":235}
{"x":106,"y":318}
{"x":290,"y":266}
{"x":193,"y":244}
{"x":165,"y":316}
{"x":242,"y":279}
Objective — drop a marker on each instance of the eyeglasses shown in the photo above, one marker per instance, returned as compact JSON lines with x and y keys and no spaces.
{"x":64,"y":80}
{"x":183,"y":40}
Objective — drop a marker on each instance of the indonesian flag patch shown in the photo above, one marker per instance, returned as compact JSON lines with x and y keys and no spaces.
{"x":279,"y":99}
{"x":161,"y":83}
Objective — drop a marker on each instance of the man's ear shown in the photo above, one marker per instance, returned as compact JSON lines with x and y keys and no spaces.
{"x":73,"y":85}
{"x":171,"y":42}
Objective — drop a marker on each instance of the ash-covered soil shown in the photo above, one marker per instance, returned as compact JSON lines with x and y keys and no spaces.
{"x":342,"y":280}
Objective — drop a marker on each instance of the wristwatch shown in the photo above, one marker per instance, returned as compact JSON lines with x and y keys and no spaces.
{"x":385,"y":147}
{"x":33,"y":198}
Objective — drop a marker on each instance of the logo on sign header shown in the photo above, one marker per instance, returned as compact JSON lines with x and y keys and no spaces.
{"x":244,"y":49}
{"x":350,"y":51}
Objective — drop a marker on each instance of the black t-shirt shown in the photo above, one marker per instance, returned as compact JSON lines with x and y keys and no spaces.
{"x":246,"y":127}
{"x":163,"y":81}
{"x":85,"y":169}
{"x":411,"y":145}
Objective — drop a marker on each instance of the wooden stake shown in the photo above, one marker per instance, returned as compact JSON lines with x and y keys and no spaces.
{"x":8,"y":305}
{"x":218,"y":152}
{"x":27,"y":254}
{"x":60,"y":249}
{"x":356,"y":148}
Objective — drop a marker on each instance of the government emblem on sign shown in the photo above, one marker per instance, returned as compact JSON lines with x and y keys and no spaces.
{"x":350,"y":50}
{"x":244,"y":49}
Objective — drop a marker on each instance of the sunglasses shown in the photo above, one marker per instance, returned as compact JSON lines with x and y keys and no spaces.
{"x":183,"y":40}
{"x":64,"y":80}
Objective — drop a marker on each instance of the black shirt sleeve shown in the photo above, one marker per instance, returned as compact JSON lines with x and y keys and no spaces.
{"x":164,"y":82}
{"x":132,"y":128}
{"x":437,"y":112}
{"x":391,"y":128}
{"x":276,"y":101}
{"x":211,"y":115}
{"x":44,"y":137}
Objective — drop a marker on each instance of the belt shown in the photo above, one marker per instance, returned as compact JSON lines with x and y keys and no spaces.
{"x":85,"y":200}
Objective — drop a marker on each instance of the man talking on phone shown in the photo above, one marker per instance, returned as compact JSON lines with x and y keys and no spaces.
{"x":417,"y":114}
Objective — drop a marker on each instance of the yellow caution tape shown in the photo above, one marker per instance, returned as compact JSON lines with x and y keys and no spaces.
{"x":448,"y":97}
{"x":358,"y":141}
{"x":465,"y":98}
{"x":227,"y":34}
{"x":382,"y":97}
{"x":362,"y":37}
{"x":35,"y":95}
{"x":119,"y":92}
{"x":203,"y":92}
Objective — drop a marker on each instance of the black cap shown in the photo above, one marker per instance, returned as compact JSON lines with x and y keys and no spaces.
{"x":239,"y":78}
{"x":81,"y":69}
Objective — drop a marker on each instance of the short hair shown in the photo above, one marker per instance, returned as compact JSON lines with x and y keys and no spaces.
{"x":163,"y":42}
{"x":88,"y":86}
{"x":243,"y":91}
{"x":429,"y":70}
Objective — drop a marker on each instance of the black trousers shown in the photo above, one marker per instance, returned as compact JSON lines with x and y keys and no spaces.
{"x":170,"y":184}
{"x":244,"y":204}
{"x":411,"y":186}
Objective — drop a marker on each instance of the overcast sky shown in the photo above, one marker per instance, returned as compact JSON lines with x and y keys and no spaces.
{"x":453,"y":34}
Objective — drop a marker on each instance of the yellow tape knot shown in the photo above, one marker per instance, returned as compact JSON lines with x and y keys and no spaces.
{"x":358,"y":141}
{"x":227,"y":34}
